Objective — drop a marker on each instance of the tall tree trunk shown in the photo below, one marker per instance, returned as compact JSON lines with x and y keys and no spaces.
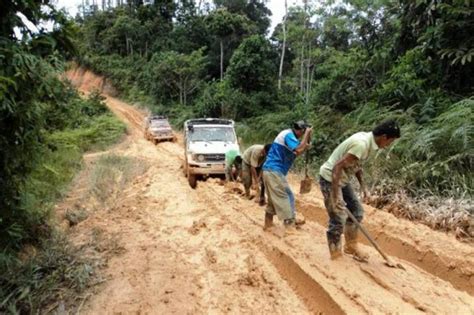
{"x":198,"y":8}
{"x":280,"y":71}
{"x":303,"y":44}
{"x":308,"y":74}
{"x":222,"y":59}
{"x":126,"y":44}
{"x":302,"y":68}
{"x":311,"y":79}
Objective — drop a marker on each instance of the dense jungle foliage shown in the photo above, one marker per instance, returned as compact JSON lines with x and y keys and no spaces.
{"x":44,"y":129}
{"x":347,"y":65}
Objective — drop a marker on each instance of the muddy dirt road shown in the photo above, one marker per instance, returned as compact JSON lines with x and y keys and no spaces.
{"x":203,"y":250}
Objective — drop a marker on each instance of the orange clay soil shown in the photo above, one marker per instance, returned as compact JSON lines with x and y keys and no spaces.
{"x":204,"y":251}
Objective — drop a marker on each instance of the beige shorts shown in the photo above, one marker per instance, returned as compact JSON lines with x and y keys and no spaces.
{"x":281,"y":200}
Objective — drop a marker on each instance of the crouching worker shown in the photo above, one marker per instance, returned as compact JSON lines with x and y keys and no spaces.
{"x":252,"y":161}
{"x":335,"y":175}
{"x":280,"y":158}
{"x":233,"y":165}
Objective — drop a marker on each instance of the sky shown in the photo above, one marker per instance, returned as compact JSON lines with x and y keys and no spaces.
{"x":276,"y":6}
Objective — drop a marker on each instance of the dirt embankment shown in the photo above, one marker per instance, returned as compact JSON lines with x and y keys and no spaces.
{"x":203,"y":250}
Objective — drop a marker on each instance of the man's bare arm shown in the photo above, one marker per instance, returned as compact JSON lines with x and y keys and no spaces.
{"x":304,"y":142}
{"x":347,"y":161}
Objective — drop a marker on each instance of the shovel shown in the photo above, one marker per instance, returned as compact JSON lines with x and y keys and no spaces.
{"x":306,"y":183}
{"x":388,"y":261}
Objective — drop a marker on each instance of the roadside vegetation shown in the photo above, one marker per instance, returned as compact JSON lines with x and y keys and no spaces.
{"x":45,"y":127}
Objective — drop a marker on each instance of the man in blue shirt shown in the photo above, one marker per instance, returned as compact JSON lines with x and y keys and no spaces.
{"x":280,"y":158}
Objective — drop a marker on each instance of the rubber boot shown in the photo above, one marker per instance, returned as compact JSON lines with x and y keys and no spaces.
{"x":335,"y":249}
{"x":350,"y":246}
{"x":290,"y":227}
{"x":300,"y":220}
{"x":247,"y":193}
{"x":268,"y":221}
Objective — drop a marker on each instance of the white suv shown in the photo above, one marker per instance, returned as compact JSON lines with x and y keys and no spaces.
{"x":206,"y":141}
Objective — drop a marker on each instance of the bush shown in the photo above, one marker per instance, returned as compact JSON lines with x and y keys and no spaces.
{"x":55,"y":271}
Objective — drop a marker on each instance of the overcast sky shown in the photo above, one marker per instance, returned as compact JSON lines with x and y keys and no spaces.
{"x":276,"y":6}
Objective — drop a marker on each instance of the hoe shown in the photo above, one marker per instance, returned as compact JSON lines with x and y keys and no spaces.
{"x":388,"y":261}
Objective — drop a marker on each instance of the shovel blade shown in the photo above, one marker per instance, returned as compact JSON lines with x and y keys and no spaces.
{"x":394,"y":265}
{"x":305,"y":185}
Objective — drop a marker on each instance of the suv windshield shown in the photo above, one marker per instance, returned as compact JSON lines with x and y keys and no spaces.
{"x":225,"y":134}
{"x":159,"y":123}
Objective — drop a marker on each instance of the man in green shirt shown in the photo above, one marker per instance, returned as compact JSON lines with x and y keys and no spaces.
{"x":232,"y":159}
{"x":335,"y":175}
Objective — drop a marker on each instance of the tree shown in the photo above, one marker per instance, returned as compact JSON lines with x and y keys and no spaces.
{"x":177,"y":74}
{"x":252,"y":66}
{"x":254,"y":10}
{"x":29,"y":87}
{"x":223,"y":24}
{"x":283,"y":48}
{"x":444,"y":30}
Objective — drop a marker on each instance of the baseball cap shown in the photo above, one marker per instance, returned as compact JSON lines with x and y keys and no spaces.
{"x":300,"y":125}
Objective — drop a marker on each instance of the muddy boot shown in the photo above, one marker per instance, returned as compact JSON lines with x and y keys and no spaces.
{"x":290,"y":227}
{"x":268,"y":221}
{"x":334,"y":249}
{"x":350,"y":246}
{"x":300,"y":220}
{"x":247,"y":193}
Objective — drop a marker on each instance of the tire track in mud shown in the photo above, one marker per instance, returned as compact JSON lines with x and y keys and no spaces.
{"x":313,"y":295}
{"x":316,"y":298}
{"x":449,"y":268}
{"x":357,"y":289}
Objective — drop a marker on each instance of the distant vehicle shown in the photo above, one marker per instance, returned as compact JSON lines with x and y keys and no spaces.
{"x":206,"y":141}
{"x":157,"y":128}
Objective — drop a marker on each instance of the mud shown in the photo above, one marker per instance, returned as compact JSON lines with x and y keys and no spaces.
{"x":435,"y":252}
{"x":204,"y":251}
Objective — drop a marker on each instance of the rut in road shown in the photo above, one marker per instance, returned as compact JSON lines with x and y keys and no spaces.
{"x":204,"y":251}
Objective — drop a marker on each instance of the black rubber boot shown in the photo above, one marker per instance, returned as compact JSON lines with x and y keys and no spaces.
{"x":268,"y":221}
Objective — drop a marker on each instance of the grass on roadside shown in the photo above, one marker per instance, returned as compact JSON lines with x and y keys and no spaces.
{"x":54,"y":274}
{"x":111,"y":175}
